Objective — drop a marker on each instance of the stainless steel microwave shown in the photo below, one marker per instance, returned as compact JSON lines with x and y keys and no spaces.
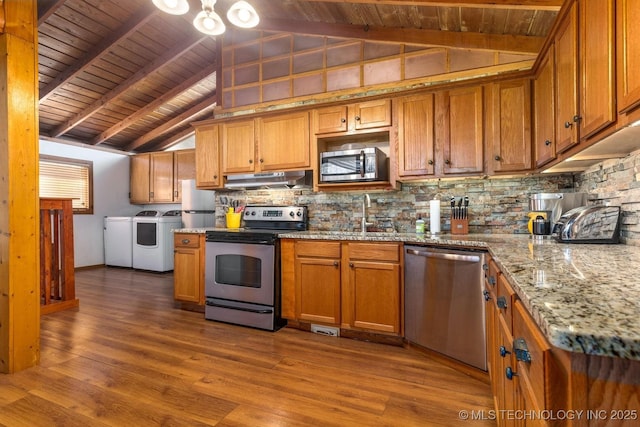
{"x":366,"y":164}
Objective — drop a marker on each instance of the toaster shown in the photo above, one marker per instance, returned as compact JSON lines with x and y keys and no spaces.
{"x":589,"y":224}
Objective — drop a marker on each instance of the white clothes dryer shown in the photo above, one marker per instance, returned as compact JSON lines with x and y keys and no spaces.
{"x":153,"y":239}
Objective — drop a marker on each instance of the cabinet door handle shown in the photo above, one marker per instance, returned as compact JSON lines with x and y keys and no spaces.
{"x":487,"y":295}
{"x":485,"y":266}
{"x":497,"y":158}
{"x":567,"y":125}
{"x":503,"y":351}
{"x":357,"y":118}
{"x":509,"y":373}
{"x":492,"y":280}
{"x":175,"y":193}
{"x":577,"y":118}
{"x":547,"y":142}
{"x":250,"y":161}
{"x":261,"y":160}
{"x":351,"y":264}
{"x":343,"y":120}
{"x":186,"y":241}
{"x":151,"y":195}
{"x":215,"y":176}
{"x":447,"y":162}
{"x":521,"y":350}
{"x":430,"y":162}
{"x":336,"y":263}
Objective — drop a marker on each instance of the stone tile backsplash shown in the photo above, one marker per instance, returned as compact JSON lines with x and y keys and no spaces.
{"x":496,"y":205}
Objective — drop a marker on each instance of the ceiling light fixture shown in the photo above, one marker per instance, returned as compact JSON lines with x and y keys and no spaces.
{"x":173,"y":7}
{"x":240,"y":14}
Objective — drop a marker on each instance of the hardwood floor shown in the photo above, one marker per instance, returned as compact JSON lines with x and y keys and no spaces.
{"x":127,"y":357}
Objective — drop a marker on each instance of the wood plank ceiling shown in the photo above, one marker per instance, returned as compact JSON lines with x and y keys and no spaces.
{"x":124,"y":75}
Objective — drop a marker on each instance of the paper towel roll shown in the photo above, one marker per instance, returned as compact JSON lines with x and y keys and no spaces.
{"x":434,"y":213}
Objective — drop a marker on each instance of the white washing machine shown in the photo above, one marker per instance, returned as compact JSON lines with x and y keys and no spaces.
{"x":118,"y":240}
{"x":153,"y":239}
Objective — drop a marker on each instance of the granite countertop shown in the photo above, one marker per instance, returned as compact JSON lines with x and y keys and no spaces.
{"x":584,"y":297}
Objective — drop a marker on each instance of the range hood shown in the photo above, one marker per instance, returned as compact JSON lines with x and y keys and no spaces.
{"x":292,"y":179}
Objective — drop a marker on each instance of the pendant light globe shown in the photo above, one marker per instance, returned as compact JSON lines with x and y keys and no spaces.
{"x":172,"y":7}
{"x":243,"y":15}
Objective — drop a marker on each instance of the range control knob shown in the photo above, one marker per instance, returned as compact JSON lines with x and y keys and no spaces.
{"x":299,"y":213}
{"x":292,"y":214}
{"x":253,"y":213}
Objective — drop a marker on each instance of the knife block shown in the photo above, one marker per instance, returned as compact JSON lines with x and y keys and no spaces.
{"x":460,"y":226}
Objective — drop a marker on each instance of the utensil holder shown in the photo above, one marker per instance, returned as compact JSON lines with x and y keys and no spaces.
{"x":460,"y":226}
{"x":233,"y":220}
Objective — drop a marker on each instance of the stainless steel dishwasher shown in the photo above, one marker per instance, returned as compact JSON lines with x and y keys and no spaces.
{"x":444,"y":307}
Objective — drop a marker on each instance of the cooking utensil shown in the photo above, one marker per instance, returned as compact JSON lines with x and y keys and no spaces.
{"x":466,"y":207}
{"x":459,"y":216}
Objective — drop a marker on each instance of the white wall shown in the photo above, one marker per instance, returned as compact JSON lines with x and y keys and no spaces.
{"x":110,"y":197}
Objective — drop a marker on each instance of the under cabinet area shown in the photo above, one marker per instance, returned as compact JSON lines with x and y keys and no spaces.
{"x":352,"y":285}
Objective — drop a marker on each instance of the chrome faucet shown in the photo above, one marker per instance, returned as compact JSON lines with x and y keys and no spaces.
{"x":366,"y":203}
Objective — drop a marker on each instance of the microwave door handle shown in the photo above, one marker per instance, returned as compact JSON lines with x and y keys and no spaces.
{"x":362,"y":164}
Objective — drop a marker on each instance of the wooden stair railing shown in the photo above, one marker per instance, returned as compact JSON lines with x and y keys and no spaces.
{"x":57,"y":276}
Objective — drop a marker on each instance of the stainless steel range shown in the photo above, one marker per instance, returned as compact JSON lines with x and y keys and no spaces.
{"x":242,"y":267}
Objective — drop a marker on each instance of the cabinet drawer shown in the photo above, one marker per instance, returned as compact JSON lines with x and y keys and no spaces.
{"x":313,"y":248}
{"x":389,"y":252}
{"x":527,"y":337}
{"x":505,"y":297}
{"x":186,"y":240}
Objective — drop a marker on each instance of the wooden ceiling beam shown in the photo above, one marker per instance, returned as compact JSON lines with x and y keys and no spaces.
{"x":484,"y":4}
{"x":168,"y":57}
{"x":453,"y":39}
{"x":155,"y":104}
{"x":46,"y":9}
{"x":200,"y":108}
{"x":141,"y":17}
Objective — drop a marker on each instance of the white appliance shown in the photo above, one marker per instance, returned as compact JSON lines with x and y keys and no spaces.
{"x":153,"y":239}
{"x":198,"y":206}
{"x":118,"y":239}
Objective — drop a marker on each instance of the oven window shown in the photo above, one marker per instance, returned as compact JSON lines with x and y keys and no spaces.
{"x":238,"y":270}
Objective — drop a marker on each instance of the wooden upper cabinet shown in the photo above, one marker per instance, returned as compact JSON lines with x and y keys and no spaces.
{"x":184,"y":167}
{"x":416,"y":135}
{"x":139,"y":188}
{"x":162,"y":177}
{"x":283,"y":142}
{"x":510,"y":126}
{"x":597,"y":103}
{"x":463,"y":130}
{"x":331,"y":119}
{"x":628,"y":54}
{"x":372,"y":114}
{"x":355,"y":117}
{"x":544,"y":111}
{"x":208,"y":156}
{"x":566,"y":61}
{"x":238,"y":147}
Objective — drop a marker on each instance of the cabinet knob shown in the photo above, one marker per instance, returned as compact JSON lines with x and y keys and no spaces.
{"x":430,"y":162}
{"x":250,"y":161}
{"x":215,"y":176}
{"x":501,"y":302}
{"x":492,"y":280}
{"x":351,"y":264}
{"x":261,"y":160}
{"x":447,"y":162}
{"x":175,"y":193}
{"x":567,"y":125}
{"x":343,"y":120}
{"x":357,"y":118}
{"x":487,"y":295}
{"x":186,"y":241}
{"x":485,"y":266}
{"x":547,"y":142}
{"x":509,"y":373}
{"x":503,"y":351}
{"x":577,"y":118}
{"x":496,"y":158}
{"x":336,"y":263}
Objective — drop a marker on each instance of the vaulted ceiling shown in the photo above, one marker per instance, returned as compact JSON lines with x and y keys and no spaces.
{"x":124,"y":75}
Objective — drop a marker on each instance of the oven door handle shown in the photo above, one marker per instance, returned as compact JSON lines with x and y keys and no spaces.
{"x":230,"y":307}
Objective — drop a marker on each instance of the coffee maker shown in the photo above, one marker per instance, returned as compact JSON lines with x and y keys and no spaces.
{"x":545,"y":209}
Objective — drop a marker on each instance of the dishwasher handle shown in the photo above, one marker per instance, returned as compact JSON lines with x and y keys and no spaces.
{"x":447,"y":256}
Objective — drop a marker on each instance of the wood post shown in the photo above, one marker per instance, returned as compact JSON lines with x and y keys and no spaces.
{"x":19,"y":204}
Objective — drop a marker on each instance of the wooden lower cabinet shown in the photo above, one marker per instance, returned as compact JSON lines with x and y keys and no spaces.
{"x":352,"y":285}
{"x":188,"y":269}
